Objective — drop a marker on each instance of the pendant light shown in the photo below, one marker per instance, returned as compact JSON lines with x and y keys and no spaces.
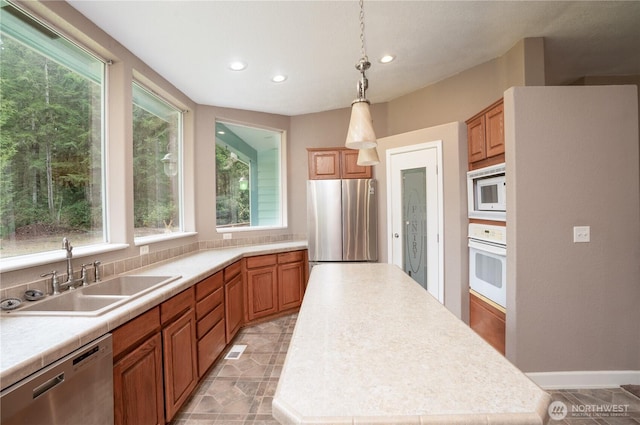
{"x":360,"y":134}
{"x":368,"y":157}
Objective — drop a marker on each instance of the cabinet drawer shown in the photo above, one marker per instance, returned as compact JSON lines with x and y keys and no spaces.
{"x":208,"y":285}
{"x":232,"y":271}
{"x":261,"y":261}
{"x":210,"y":347}
{"x":176,"y":305}
{"x":290,"y":257}
{"x":209,"y":303}
{"x":209,"y":321}
{"x":135,"y":330}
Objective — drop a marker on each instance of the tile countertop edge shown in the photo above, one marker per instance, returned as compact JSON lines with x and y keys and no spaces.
{"x":21,"y":356}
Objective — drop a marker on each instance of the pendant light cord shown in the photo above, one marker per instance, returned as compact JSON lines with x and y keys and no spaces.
{"x":364,"y":53}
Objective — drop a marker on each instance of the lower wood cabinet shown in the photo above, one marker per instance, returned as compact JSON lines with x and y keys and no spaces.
{"x":233,"y":300}
{"x":210,"y":329}
{"x":138,"y":372}
{"x":160,"y":355}
{"x":137,"y":383}
{"x":487,"y":321}
{"x":275,"y":283}
{"x":180,"y":363}
{"x":291,"y":279}
{"x":262,"y":289}
{"x":155,"y":363}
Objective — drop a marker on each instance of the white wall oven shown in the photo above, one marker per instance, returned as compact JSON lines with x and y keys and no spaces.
{"x":486,"y":192}
{"x":488,"y":261}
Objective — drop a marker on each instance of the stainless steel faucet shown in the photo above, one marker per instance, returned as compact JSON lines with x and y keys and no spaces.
{"x":96,"y":270}
{"x":55,"y":285}
{"x":66,"y":245}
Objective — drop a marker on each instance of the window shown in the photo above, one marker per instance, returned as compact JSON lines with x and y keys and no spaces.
{"x":249,"y":183}
{"x":51,"y":138}
{"x":157,"y":154}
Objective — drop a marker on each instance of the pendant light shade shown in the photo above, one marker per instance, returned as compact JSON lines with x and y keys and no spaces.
{"x":368,"y":157}
{"x":360,"y":134}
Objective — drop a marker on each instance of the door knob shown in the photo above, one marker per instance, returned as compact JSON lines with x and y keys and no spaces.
{"x":395,"y":235}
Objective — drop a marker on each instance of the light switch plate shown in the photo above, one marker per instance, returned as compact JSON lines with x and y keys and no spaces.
{"x":581,"y":234}
{"x":227,"y":235}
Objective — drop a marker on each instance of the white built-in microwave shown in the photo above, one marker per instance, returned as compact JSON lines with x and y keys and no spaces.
{"x":486,"y":190}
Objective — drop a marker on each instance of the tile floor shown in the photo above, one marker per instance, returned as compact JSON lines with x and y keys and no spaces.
{"x":239,"y":392}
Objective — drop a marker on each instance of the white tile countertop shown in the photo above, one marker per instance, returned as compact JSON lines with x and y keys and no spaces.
{"x":371,"y":346}
{"x":28,"y":343}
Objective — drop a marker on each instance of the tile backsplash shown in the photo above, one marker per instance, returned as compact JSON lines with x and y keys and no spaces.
{"x":132,"y":263}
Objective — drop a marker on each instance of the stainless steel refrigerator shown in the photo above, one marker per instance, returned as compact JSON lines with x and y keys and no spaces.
{"x":342,"y":220}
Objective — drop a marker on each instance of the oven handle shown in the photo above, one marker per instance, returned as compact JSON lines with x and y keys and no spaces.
{"x":488,"y":247}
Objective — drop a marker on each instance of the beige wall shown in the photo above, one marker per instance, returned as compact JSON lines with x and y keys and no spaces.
{"x":454,"y":161}
{"x":572,"y":160}
{"x":463,"y":95}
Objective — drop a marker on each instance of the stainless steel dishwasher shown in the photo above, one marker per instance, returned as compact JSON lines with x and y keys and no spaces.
{"x":75,"y":390}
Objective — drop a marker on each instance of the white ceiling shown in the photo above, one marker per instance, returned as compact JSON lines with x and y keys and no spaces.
{"x":317,"y":43}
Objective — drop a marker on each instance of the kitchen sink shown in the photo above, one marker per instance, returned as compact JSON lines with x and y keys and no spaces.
{"x":95,"y":299}
{"x":74,"y":302}
{"x":127,"y":285}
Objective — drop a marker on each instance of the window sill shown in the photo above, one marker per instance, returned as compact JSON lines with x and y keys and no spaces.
{"x":162,"y":237}
{"x":248,"y":229}
{"x":32,"y":260}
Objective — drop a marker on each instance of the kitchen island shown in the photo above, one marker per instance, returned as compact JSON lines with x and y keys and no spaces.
{"x":372,"y":346}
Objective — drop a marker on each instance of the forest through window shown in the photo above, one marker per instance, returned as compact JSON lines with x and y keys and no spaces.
{"x":51,"y":139}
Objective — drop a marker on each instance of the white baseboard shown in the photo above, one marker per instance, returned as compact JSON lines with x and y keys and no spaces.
{"x":585,"y":379}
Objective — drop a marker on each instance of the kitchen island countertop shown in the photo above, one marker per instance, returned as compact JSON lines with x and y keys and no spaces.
{"x":372,"y":346}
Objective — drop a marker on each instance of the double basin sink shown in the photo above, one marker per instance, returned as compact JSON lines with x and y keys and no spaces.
{"x":95,"y":299}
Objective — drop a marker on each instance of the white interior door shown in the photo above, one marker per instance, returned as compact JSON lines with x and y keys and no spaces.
{"x":415,"y":213}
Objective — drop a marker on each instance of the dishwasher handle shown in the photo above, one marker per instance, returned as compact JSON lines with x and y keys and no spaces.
{"x":49,"y":385}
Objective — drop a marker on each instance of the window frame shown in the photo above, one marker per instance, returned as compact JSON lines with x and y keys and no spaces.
{"x":20,"y":262}
{"x":282,"y":175}
{"x":143,"y":240}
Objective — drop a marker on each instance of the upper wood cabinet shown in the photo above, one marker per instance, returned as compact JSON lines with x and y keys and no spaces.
{"x":485,"y":134}
{"x":336,"y":163}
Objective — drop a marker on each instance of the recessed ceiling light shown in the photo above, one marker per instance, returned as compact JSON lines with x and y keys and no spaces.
{"x":387,"y":58}
{"x":220,"y":132}
{"x":278,"y":78}
{"x":237,"y":65}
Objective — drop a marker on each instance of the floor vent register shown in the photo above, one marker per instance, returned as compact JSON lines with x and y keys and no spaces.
{"x":235,"y":352}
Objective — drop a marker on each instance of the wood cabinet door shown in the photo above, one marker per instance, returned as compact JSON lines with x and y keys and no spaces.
{"x":180,"y":362}
{"x":350,"y":167}
{"x":488,"y":322}
{"x":324,"y":164}
{"x":262,"y":292}
{"x":476,"y":136}
{"x":233,"y":302}
{"x":137,"y":385}
{"x":290,"y":285}
{"x":494,"y":122}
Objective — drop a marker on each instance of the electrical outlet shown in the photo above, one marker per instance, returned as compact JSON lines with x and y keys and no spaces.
{"x":227,"y":235}
{"x":581,"y":234}
{"x":144,"y":249}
